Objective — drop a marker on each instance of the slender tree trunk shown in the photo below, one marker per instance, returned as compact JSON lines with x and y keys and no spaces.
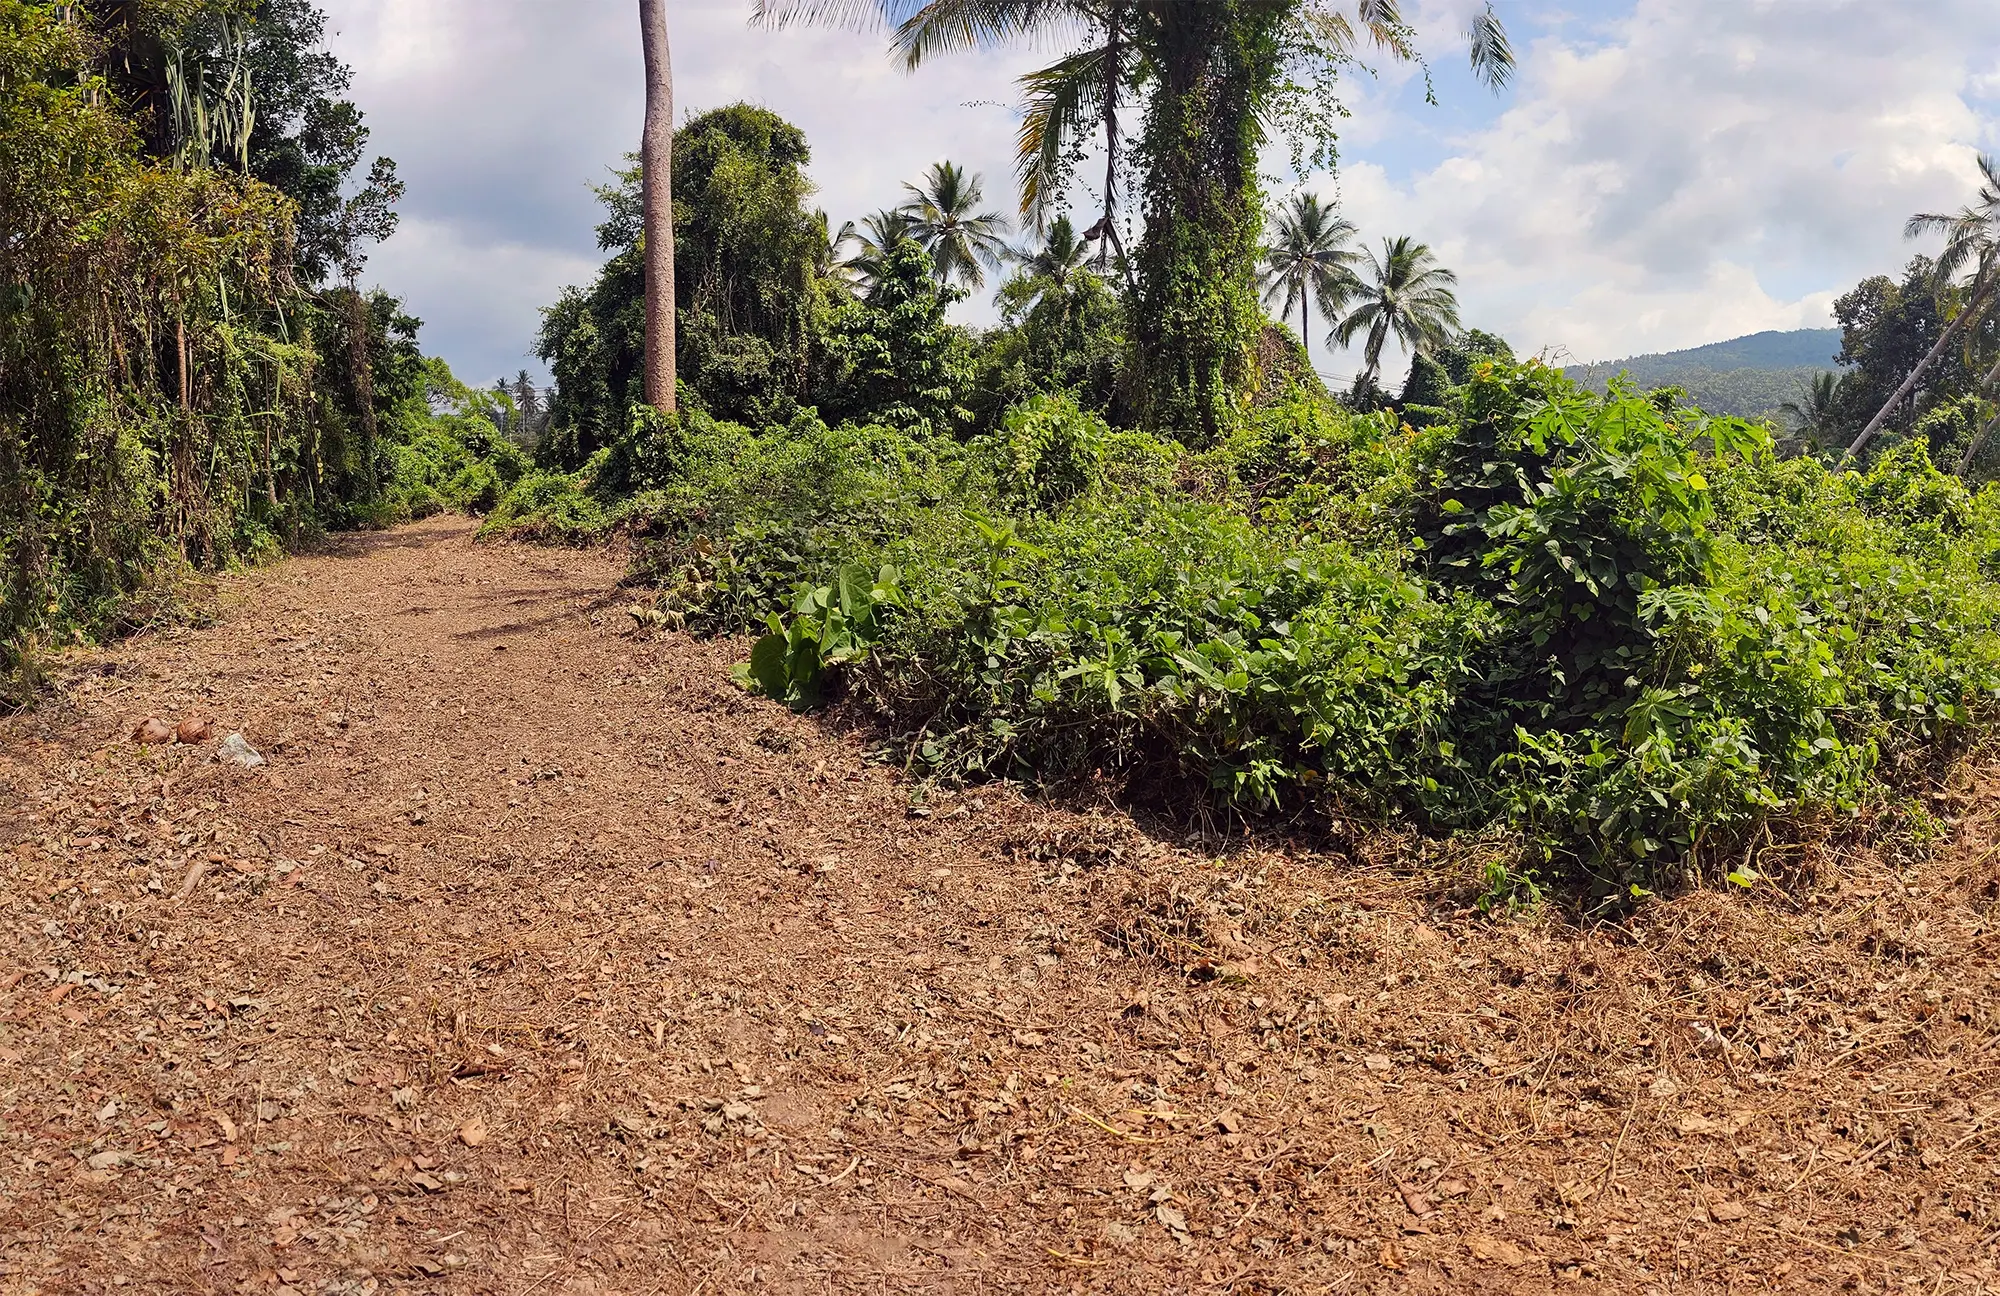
{"x":1113,"y":78}
{"x":364,"y":385}
{"x":1972,"y":451}
{"x":1987,"y":383}
{"x":1972,"y":308}
{"x":656,"y":157}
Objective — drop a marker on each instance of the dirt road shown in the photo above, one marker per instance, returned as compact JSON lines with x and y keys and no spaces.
{"x":538,"y":958}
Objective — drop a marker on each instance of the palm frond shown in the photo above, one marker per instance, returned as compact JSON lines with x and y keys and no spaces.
{"x":856,"y":15}
{"x":1492,"y":53}
{"x":1061,"y":102}
{"x":1381,"y":21}
{"x":949,"y":26}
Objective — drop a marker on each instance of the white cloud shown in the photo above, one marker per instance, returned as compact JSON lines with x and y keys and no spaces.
{"x":1665,"y":173}
{"x":503,"y":113}
{"x":480,"y":297}
{"x":1698,"y":169}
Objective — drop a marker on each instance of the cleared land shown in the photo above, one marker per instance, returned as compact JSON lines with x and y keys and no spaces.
{"x":542,"y":959}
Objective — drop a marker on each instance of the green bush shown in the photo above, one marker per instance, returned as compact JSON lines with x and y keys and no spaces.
{"x":1050,"y":451}
{"x":554,"y":508}
{"x":1628,"y":634}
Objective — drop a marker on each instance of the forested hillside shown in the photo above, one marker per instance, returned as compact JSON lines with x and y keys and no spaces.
{"x":191,"y":373}
{"x":1752,"y":377}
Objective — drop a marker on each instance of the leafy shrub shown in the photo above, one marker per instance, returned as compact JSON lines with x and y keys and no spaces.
{"x":550,"y":507}
{"x":1626,"y":633}
{"x":829,"y":626}
{"x":1050,"y":450}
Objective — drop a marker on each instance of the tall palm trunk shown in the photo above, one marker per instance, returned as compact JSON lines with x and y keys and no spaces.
{"x":1980,"y":292}
{"x":656,"y":159}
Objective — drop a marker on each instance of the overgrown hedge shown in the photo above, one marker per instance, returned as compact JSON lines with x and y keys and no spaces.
{"x":1619,"y":635}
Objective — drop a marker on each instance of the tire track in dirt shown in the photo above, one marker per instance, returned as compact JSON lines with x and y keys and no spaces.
{"x":541,"y":959}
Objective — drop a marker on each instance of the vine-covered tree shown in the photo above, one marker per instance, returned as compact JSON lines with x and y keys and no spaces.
{"x":1062,"y":331}
{"x":365,"y":219}
{"x":1208,"y":79}
{"x":895,"y":359}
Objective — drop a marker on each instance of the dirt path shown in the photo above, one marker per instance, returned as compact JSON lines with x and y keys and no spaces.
{"x":542,"y":960}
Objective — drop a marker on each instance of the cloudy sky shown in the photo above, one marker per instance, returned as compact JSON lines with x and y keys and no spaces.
{"x":1663,"y":173}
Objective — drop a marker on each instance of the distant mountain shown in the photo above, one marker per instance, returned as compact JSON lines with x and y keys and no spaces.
{"x":1750,"y":376}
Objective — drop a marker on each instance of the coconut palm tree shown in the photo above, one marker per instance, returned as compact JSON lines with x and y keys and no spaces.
{"x":871,"y":240}
{"x":1404,"y":293}
{"x":963,"y":246}
{"x":656,"y":162}
{"x":1061,"y":252}
{"x":1310,"y":261}
{"x":1051,"y":269}
{"x":1971,"y":240}
{"x":1815,"y":410}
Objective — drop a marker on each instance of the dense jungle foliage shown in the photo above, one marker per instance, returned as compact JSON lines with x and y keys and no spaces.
{"x":180,"y":385}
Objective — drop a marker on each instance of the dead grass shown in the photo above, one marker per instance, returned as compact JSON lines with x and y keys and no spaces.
{"x":540,"y":959}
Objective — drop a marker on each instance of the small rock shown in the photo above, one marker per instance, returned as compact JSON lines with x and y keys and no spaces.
{"x":1726,"y":1212}
{"x":472,"y":1133}
{"x":236,"y":749}
{"x":153,"y":733}
{"x":191,"y":732}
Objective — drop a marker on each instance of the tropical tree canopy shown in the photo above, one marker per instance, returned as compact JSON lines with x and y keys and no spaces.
{"x":871,"y":242}
{"x":1972,"y":241}
{"x":1060,"y":252}
{"x":1207,"y":81}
